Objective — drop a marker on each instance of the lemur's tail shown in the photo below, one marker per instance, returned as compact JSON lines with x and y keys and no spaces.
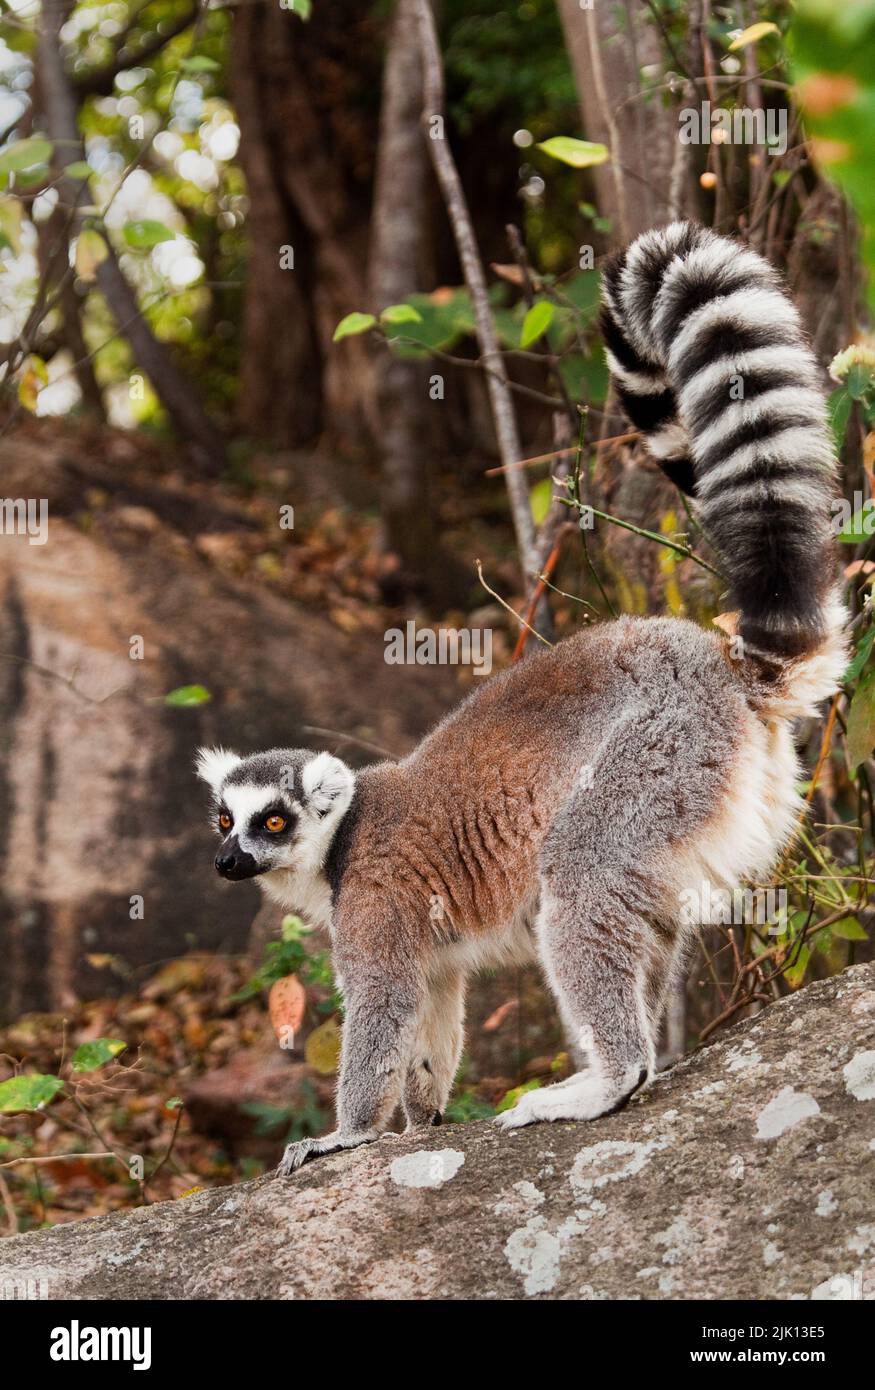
{"x":711,"y":363}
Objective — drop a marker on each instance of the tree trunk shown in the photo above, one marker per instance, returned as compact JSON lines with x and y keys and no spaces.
{"x":634,"y":190}
{"x":302,"y":93}
{"x":397,"y":255}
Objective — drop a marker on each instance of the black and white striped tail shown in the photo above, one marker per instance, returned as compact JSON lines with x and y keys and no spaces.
{"x":711,"y":364}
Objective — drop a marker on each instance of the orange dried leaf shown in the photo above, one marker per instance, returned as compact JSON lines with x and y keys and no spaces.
{"x":497,"y":1017}
{"x":727,"y":622}
{"x":286,"y":1004}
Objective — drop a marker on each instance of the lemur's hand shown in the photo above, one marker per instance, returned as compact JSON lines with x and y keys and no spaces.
{"x":296,"y":1155}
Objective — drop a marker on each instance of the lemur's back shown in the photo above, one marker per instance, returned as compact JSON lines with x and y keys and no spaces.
{"x":462,"y":820}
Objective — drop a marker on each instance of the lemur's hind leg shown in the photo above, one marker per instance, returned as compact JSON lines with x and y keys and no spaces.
{"x":596,"y":944}
{"x":437,"y":1047}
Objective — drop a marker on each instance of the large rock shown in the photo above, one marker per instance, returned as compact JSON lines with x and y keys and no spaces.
{"x":746,"y":1172}
{"x":98,"y":800}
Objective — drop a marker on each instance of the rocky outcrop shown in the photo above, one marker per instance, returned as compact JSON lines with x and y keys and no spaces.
{"x":745,"y":1172}
{"x":107,"y":857}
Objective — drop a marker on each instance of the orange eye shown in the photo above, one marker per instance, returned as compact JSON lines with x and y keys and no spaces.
{"x":225,"y":821}
{"x":275,"y":824}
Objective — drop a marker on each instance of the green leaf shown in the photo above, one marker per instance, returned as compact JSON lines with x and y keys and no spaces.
{"x":861,"y":722}
{"x":79,"y":169}
{"x":753,"y":34}
{"x":858,"y":380}
{"x":92,"y":1055}
{"x":302,"y":8}
{"x":849,"y":929}
{"x":839,"y":408}
{"x":25,"y":154}
{"x":11,"y":211}
{"x":796,"y":972}
{"x":28,"y":1092}
{"x":580,"y":154}
{"x":400,"y":313}
{"x":536,"y":322}
{"x":199,"y":64}
{"x":185,"y":696}
{"x":145,"y":233}
{"x":861,"y":655}
{"x":510,"y":1098}
{"x":861,"y":525}
{"x":174,"y":1103}
{"x":352,"y":325}
{"x":34,"y":377}
{"x":540,"y":497}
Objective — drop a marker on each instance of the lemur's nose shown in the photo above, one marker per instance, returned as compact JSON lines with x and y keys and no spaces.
{"x":235,"y":864}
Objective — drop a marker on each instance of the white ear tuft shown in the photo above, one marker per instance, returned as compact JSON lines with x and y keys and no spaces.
{"x":213,"y":765}
{"x":328,"y":783}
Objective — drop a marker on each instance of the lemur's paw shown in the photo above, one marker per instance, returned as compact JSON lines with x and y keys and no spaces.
{"x":296,"y":1155}
{"x":585,"y":1096}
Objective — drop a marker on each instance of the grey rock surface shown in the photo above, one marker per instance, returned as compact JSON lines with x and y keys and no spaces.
{"x":747,"y":1171}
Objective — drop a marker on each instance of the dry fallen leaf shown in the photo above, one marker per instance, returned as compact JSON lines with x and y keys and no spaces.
{"x":286,"y":1004}
{"x":497,"y":1017}
{"x":727,"y":622}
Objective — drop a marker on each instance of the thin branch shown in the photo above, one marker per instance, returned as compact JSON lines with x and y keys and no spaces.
{"x":504,"y":603}
{"x":463,"y":232}
{"x":100,"y":82}
{"x":684,"y":550}
{"x":350,"y":738}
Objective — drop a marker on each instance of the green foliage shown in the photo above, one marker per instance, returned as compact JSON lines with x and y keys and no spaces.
{"x":299,"y":1121}
{"x":507,"y":62}
{"x":30,"y":1091}
{"x":352,"y":325}
{"x":510,"y":1098}
{"x":540,"y":496}
{"x":24,"y":156}
{"x":289,"y":956}
{"x":861,"y":721}
{"x":536,"y":322}
{"x":400,"y":313}
{"x":580,"y":154}
{"x":92,"y":1055}
{"x":832,"y":48}
{"x":187,"y":696}
{"x":464,"y":1107}
{"x":145,"y":234}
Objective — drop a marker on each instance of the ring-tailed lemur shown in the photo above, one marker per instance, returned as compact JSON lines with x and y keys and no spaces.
{"x":567,"y":807}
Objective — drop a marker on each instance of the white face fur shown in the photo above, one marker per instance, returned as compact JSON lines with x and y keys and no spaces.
{"x":278,"y":813}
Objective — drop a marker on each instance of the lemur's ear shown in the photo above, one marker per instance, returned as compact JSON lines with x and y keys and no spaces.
{"x":213,"y":765}
{"x":327,"y":783}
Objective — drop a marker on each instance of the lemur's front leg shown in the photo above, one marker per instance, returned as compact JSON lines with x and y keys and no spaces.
{"x":382,"y":1004}
{"x":437,"y":1046}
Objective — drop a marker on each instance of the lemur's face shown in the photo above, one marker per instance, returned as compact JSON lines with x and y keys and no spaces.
{"x":276,"y":811}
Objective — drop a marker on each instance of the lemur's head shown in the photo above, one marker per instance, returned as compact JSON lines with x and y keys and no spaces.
{"x":276,"y":812}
